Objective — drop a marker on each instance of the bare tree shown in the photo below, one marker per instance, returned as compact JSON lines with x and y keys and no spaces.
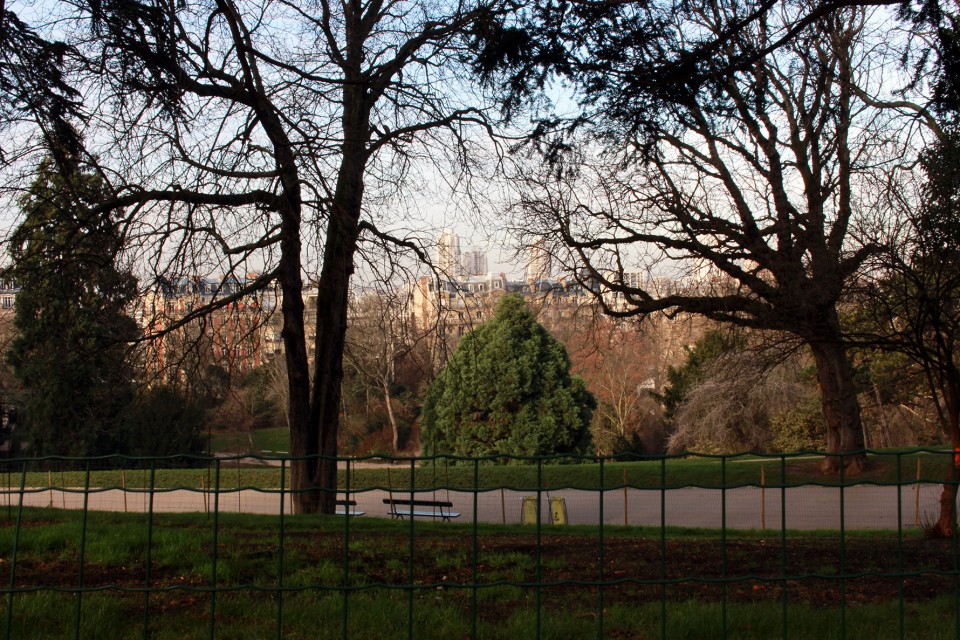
{"x":380,"y":335}
{"x":618,"y":360}
{"x":255,"y":135}
{"x":749,"y":188}
{"x":730,"y":410}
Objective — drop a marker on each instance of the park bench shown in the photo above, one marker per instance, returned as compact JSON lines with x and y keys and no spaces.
{"x":349,"y":508}
{"x":400,"y":507}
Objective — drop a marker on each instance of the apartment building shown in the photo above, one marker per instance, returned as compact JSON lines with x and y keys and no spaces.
{"x":196,"y":323}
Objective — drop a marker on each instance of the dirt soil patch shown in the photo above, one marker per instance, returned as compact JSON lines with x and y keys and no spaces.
{"x":809,"y":570}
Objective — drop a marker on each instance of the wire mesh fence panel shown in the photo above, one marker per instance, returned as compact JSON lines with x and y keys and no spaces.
{"x":745,"y":546}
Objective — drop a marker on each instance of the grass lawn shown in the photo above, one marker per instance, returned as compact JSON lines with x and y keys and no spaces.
{"x":888,"y":467}
{"x":275,"y":440}
{"x":244,"y":576}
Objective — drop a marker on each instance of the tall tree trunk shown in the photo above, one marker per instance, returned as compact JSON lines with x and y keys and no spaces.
{"x":303,"y":437}
{"x":948,"y":503}
{"x":841,"y":410}
{"x":332,"y":296}
{"x":389,"y":367}
{"x":947,"y":522}
{"x":884,"y":426}
{"x":394,"y":429}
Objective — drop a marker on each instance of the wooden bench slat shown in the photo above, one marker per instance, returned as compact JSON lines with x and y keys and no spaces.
{"x":348,"y":511}
{"x":441,"y":508}
{"x":433,"y":514}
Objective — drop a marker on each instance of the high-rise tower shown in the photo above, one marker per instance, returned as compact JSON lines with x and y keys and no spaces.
{"x":539,"y":260}
{"x":475,"y":262}
{"x":448,"y":254}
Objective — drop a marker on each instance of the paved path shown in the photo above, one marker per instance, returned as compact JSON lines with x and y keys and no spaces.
{"x":864,"y":507}
{"x":240,"y":458}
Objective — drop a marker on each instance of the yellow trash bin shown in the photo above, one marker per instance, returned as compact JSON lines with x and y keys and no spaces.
{"x":528,"y":512}
{"x":558,"y":510}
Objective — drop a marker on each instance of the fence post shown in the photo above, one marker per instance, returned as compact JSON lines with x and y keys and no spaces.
{"x":663,"y":548}
{"x":916,"y":508}
{"x":411,"y":575}
{"x":16,"y":545}
{"x":390,"y":488}
{"x":539,"y":550}
{"x":843,"y":550}
{"x":83,"y":549}
{"x":214,"y":551}
{"x":783,"y":542}
{"x":626,"y":519}
{"x":723,"y":544}
{"x":239,"y":484}
{"x":763,"y":498}
{"x":956,"y":552}
{"x":503,"y":507}
{"x":149,"y":560}
{"x":600,"y":594}
{"x":283,"y":477}
{"x":346,"y":550}
{"x":902,"y":611}
{"x":476,"y":547}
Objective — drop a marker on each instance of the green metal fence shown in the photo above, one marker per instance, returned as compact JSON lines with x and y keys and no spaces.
{"x":747,"y":546}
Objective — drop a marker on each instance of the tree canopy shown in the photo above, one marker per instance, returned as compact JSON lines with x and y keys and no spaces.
{"x":275,"y":136}
{"x":34,"y":86}
{"x":911,"y":306}
{"x":752,"y":182}
{"x":255,"y":136}
{"x":507,"y":390}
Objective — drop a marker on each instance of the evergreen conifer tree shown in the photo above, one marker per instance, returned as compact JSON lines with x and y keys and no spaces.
{"x":508,"y":390}
{"x":70,"y":313}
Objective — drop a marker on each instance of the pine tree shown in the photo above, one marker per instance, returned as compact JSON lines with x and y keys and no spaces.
{"x":508,"y":390}
{"x":70,"y":313}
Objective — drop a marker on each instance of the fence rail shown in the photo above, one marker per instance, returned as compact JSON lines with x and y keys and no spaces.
{"x":747,"y":546}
